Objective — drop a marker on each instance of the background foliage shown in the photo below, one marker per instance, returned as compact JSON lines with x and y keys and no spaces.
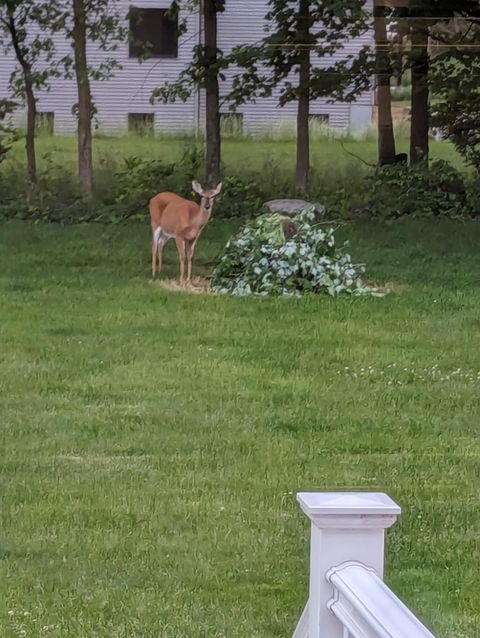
{"x":130,"y":170}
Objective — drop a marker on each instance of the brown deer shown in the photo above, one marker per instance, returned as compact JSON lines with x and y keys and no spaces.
{"x":174,"y":216}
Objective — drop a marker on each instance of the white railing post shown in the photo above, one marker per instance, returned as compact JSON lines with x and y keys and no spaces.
{"x":345,"y":526}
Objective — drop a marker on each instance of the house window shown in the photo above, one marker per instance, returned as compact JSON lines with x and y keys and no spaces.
{"x":45,"y":122}
{"x":140,"y":123}
{"x":319,"y":118}
{"x":153,"y":33}
{"x":231,"y":124}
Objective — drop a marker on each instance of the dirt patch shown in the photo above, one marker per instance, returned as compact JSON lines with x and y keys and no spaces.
{"x":388,"y":286}
{"x":198,"y":285}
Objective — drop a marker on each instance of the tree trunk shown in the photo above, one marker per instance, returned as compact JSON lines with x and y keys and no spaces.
{"x":402,"y":33}
{"x":303,"y":132}
{"x":420,"y":94}
{"x":212,"y":93}
{"x":30,"y":136}
{"x":303,"y":142}
{"x":31,"y":101}
{"x":386,"y":137}
{"x":85,"y":165}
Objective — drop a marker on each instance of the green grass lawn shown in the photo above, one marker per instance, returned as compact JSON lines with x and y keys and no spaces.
{"x":153,"y":441}
{"x":329,"y":160}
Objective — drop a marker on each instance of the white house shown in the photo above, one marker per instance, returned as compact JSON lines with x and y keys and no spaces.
{"x":124,"y":100}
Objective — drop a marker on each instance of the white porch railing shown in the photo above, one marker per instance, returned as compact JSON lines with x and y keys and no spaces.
{"x":348,"y":597}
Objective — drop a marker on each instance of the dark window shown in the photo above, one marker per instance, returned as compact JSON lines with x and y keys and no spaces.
{"x":140,"y":123}
{"x":153,"y":34}
{"x":45,"y":122}
{"x":231,"y":124}
{"x":319,"y":118}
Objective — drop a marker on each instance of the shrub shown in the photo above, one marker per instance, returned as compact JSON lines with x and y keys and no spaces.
{"x":57,"y":196}
{"x":473,"y":196}
{"x":240,"y":198}
{"x":277,"y":255}
{"x":121,"y":195}
{"x":8,"y":135}
{"x":139,"y":179}
{"x":419,"y":191}
{"x":401,"y":93}
{"x":124,"y":186}
{"x":456,"y":109}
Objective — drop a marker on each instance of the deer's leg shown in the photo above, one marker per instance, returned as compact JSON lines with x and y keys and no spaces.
{"x":162,"y":241}
{"x":155,"y":239}
{"x":190,"y":252}
{"x":181,"y":256}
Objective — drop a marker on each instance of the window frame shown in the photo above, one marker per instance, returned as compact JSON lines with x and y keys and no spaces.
{"x":148,"y":122}
{"x":237,"y":120}
{"x":137,"y":49}
{"x":322,"y":118}
{"x":44,"y":122}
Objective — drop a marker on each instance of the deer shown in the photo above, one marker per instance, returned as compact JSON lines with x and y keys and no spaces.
{"x":173,"y":216}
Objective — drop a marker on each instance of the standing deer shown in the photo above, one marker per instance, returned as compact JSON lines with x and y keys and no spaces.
{"x":174,"y":216}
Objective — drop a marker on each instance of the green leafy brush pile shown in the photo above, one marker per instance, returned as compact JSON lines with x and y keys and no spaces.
{"x":278,"y":255}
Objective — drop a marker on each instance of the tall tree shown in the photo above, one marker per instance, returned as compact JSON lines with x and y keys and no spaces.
{"x":383,"y":71}
{"x":299,"y":33}
{"x":399,"y":29}
{"x":454,"y":73}
{"x":79,"y":37}
{"x":85,"y":22}
{"x":419,"y":63}
{"x":212,"y":91}
{"x":203,"y":73}
{"x":303,"y":111}
{"x":424,"y":18}
{"x":34,"y":54}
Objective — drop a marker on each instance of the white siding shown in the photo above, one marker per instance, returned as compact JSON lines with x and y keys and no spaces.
{"x":265,"y":113}
{"x":130,"y":88}
{"x":128,"y":91}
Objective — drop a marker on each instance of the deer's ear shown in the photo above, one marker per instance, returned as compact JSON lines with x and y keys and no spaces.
{"x":218,"y":189}
{"x":197,"y":187}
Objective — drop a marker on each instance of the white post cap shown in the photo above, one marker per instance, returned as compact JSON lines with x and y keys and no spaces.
{"x":342,"y":510}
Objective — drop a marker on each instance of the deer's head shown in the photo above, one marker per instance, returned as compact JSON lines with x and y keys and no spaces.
{"x":207,"y":195}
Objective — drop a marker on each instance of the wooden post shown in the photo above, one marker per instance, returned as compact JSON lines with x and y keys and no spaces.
{"x":345,"y":526}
